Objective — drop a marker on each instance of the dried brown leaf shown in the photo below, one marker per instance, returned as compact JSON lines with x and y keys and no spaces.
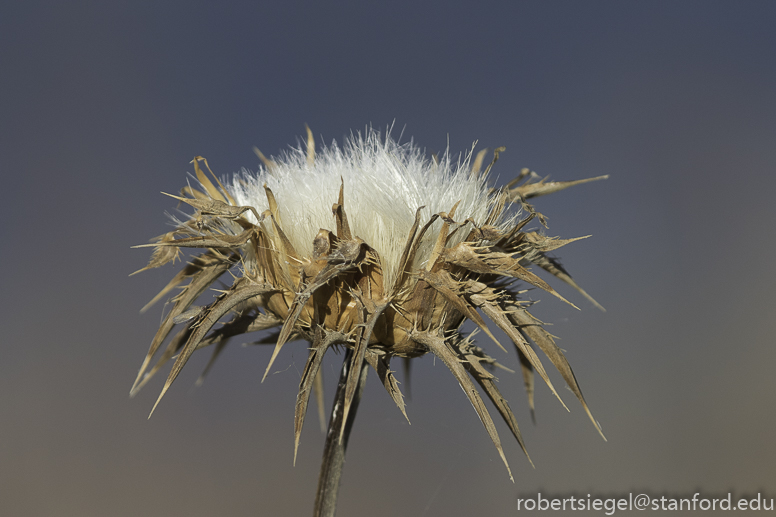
{"x":544,"y":244}
{"x":405,"y":259}
{"x":286,"y":251}
{"x":495,"y":263}
{"x":343,"y":228}
{"x":188,"y":315}
{"x":533,"y":329}
{"x":528,"y":381}
{"x":241,"y":324}
{"x":203,"y":273}
{"x":273,"y":204}
{"x":217,"y":207}
{"x":318,"y":392}
{"x":380,"y":362}
{"x":496,"y":152}
{"x":487,"y":383}
{"x":205,"y":182}
{"x":477,"y":164}
{"x":310,"y":146}
{"x":206,"y":241}
{"x":161,"y":255}
{"x":498,"y":315}
{"x":342,"y":260}
{"x":241,"y":291}
{"x":175,"y":344}
{"x":193,"y":193}
{"x":449,"y":288}
{"x":367,"y":319}
{"x":440,"y":348}
{"x":441,"y":238}
{"x":229,"y":198}
{"x":311,"y":370}
{"x":269,"y":164}
{"x":554,"y":267}
{"x":543,"y":187}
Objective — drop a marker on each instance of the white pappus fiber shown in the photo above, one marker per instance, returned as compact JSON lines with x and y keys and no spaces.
{"x":384,"y":184}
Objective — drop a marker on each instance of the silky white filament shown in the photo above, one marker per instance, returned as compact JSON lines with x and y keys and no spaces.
{"x":384,"y":184}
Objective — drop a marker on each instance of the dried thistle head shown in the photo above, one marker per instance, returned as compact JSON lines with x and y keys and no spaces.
{"x":371,"y":246}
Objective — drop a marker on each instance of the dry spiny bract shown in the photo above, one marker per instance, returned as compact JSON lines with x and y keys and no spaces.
{"x":371,"y":246}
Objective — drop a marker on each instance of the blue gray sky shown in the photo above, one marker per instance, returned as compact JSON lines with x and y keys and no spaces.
{"x":103,"y":105}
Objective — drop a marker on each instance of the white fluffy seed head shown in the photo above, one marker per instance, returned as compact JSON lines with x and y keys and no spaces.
{"x":384,"y":184}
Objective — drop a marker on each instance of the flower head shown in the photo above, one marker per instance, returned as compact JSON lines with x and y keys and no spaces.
{"x":372,"y":246}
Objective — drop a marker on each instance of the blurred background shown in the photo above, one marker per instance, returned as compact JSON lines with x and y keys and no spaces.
{"x":103,"y":105}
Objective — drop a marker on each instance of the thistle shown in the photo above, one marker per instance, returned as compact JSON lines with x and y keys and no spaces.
{"x":372,"y":247}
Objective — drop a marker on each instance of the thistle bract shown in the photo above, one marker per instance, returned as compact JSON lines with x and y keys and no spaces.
{"x":372,"y":246}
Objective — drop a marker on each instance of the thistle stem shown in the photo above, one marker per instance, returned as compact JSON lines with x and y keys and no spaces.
{"x":334,"y":450}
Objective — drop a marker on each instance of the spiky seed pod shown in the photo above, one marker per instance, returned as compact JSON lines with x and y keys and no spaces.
{"x":372,"y":246}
